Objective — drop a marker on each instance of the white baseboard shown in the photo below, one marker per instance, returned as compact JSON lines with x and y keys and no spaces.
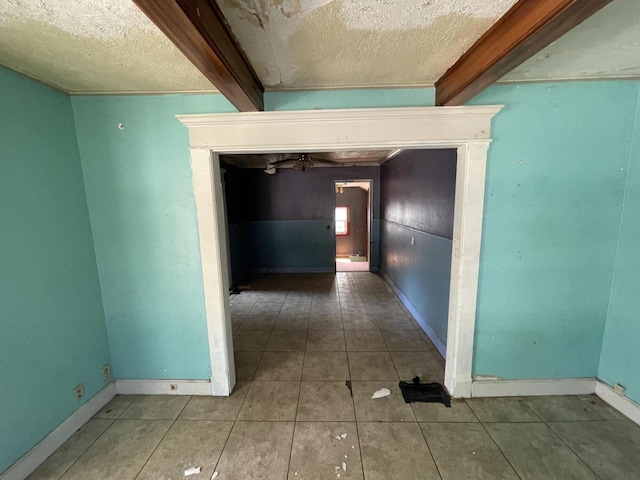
{"x":49,"y":444}
{"x":163,"y":387}
{"x":621,"y":403}
{"x":532,"y":388}
{"x":439,"y":344}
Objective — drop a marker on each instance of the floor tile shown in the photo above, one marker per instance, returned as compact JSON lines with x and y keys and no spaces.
{"x":371,"y":366}
{"x":116,"y":406}
{"x":387,"y":409}
{"x":325,"y":309}
{"x":395,"y":451}
{"x":325,"y":401}
{"x":325,"y":366}
{"x":156,"y":407}
{"x":355,"y":308}
{"x":606,"y":450}
{"x":561,"y":409}
{"x":398,"y":321}
{"x":262,"y":308}
{"x":325,"y":322}
{"x":216,"y":408}
{"x":536,"y":453}
{"x":121,"y":451}
{"x":296,"y":309}
{"x":325,"y":341}
{"x":365,"y":341}
{"x":386,"y":308}
{"x":325,"y":297}
{"x":502,"y":410}
{"x":629,"y":428}
{"x":280,"y":366}
{"x":256,"y":450}
{"x":271,"y":401}
{"x":258,"y":322}
{"x":287,"y":341}
{"x":465,"y":450}
{"x":359,"y":322}
{"x":292,"y":322}
{"x":352,"y":298}
{"x":601,"y":407}
{"x":187,"y":444}
{"x":273,"y":297}
{"x":418,"y":364}
{"x":71,"y":450}
{"x":316,"y":452}
{"x":250,"y":341}
{"x":404,"y":341}
{"x":437,"y":412}
{"x":299,"y":297}
{"x":246,"y":364}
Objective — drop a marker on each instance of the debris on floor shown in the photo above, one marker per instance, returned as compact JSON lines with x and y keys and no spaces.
{"x":192,"y":471}
{"x":215,"y":475}
{"x":341,"y":437}
{"x":383,"y":392}
{"x":424,"y":392}
{"x":348,"y":384}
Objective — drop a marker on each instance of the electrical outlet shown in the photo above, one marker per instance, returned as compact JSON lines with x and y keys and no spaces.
{"x":619,"y":389}
{"x":106,"y":371}
{"x":79,"y":390}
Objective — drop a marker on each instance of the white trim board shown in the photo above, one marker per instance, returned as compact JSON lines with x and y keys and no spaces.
{"x":466,"y":128}
{"x":532,"y":388}
{"x":439,"y":344}
{"x":621,"y":403}
{"x":31,"y":460}
{"x":165,"y":387}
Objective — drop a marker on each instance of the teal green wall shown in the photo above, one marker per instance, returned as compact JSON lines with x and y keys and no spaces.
{"x":140,"y":196}
{"x":554,"y":191}
{"x":620,"y":357}
{"x":363,"y":98}
{"x":52,"y":334}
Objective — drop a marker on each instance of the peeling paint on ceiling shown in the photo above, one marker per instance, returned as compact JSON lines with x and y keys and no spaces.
{"x":340,"y":43}
{"x":607,"y":45}
{"x":91,"y":46}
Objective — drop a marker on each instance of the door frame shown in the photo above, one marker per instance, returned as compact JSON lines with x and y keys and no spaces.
{"x":466,"y":128}
{"x":369,"y":218}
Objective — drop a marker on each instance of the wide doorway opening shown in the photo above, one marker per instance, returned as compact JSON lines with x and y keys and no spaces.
{"x":466,"y":129}
{"x":352,"y":225}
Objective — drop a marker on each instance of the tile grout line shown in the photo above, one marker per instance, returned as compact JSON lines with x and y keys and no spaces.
{"x":570,"y":449}
{"x":355,"y":415}
{"x":163,"y":436}
{"x":295,"y":417}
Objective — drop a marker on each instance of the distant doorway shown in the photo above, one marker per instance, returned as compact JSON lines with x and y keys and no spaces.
{"x":352,"y":225}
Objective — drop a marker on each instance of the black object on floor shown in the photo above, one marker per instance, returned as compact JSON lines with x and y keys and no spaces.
{"x":424,"y":392}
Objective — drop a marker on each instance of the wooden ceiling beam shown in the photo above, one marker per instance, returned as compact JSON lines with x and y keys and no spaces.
{"x":526,"y":28}
{"x":200,"y":31}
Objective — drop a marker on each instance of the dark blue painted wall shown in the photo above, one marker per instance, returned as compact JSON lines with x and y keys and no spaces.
{"x":284,"y":222}
{"x":417,"y":201}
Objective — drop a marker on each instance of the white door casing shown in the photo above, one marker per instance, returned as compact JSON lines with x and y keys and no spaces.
{"x":465,"y":128}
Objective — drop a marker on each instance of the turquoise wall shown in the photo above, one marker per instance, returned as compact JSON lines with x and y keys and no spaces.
{"x":53,"y":334}
{"x":140,"y":196}
{"x":620,"y":357}
{"x":554,"y":191}
{"x":363,"y":98}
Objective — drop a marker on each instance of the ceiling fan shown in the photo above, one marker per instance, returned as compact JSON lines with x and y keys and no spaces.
{"x":299,"y":161}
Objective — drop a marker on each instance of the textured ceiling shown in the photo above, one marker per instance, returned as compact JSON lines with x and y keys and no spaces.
{"x":606,"y":45}
{"x":92,"y":46}
{"x":333,"y":43}
{"x":97,"y":46}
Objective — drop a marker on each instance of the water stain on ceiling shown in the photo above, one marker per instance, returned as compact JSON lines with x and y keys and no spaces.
{"x":93,"y":46}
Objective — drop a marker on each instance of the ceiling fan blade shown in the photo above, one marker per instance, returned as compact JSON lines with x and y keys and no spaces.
{"x":328,"y":162}
{"x":282,"y":162}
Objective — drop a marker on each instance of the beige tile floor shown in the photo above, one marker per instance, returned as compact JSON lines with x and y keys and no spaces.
{"x":298,"y":339}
